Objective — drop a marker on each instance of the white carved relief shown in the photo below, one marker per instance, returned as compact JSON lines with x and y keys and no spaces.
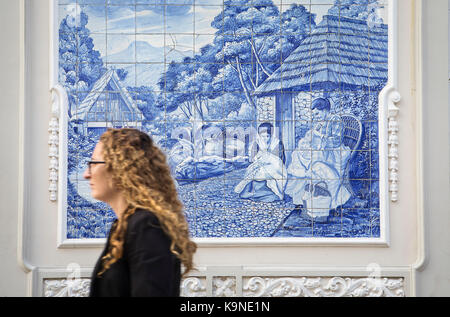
{"x":224,"y":286}
{"x":259,"y":286}
{"x":323,"y":287}
{"x":59,"y":102}
{"x":54,"y":144}
{"x":393,"y":129}
{"x":193,"y":287}
{"x":66,"y":287}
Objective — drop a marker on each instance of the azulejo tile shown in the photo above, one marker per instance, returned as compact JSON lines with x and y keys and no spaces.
{"x":209,"y":2}
{"x":94,"y":2}
{"x":120,"y":2}
{"x":268,"y":131}
{"x":121,"y":48}
{"x":181,"y":22}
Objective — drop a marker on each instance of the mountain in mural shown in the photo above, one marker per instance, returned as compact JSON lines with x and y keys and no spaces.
{"x":149,"y":62}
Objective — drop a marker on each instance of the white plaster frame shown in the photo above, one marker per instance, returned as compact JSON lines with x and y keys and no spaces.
{"x":388,"y":154}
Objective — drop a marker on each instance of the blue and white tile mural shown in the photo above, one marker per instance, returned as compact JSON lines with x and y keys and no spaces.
{"x":267,"y":110}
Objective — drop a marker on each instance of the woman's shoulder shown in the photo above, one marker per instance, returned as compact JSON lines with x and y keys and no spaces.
{"x":144,"y":231}
{"x":143,"y":218}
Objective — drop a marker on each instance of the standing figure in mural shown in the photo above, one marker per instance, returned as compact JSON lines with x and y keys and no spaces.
{"x":149,"y":239}
{"x":265,"y":178}
{"x":315,"y":172}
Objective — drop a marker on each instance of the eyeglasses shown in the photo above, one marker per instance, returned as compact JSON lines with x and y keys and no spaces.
{"x":89,"y":163}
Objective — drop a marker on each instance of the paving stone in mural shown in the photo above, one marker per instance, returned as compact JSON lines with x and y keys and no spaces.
{"x":267,"y":110}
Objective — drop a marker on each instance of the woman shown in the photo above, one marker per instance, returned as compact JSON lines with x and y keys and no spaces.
{"x":320,"y":156}
{"x":150,"y":236}
{"x":265,"y":178}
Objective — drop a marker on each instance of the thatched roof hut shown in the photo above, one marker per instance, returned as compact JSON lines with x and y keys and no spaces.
{"x":339,"y":54}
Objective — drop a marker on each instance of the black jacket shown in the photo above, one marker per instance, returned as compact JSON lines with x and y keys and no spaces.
{"x":146,"y":268}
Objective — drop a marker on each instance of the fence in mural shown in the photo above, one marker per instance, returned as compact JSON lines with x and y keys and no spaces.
{"x":267,"y":112}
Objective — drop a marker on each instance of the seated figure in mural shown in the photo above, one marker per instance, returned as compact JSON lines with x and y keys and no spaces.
{"x":265,"y":138}
{"x":180,"y":152}
{"x":212,"y":141}
{"x":318,"y":161}
{"x":265,"y":177}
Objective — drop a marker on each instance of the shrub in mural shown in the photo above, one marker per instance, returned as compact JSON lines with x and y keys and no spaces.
{"x":267,"y":113}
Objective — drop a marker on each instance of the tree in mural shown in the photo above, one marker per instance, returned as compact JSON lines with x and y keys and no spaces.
{"x":145,"y":98}
{"x":253,"y":43}
{"x":297,"y":22}
{"x":358,"y":9}
{"x":217,"y":83}
{"x":246,"y":34}
{"x":247,"y":48}
{"x":187,"y":87}
{"x":80,"y":65}
{"x":191,"y":84}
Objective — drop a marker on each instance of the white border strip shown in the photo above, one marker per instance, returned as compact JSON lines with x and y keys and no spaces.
{"x":60,"y":104}
{"x":388,"y":97}
{"x":417,"y":48}
{"x":23,"y":164}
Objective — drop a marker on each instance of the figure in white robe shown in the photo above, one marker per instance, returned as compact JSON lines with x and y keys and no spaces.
{"x":265,"y":178}
{"x":320,"y":157}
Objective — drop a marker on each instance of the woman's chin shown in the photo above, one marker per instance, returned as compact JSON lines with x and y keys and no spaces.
{"x":96,"y":196}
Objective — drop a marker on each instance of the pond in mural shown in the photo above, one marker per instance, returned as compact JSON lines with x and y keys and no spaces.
{"x":267,"y":110}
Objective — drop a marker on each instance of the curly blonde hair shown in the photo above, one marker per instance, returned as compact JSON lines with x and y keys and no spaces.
{"x":139,"y":169}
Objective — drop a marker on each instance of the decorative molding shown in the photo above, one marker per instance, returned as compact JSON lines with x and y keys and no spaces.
{"x":393,"y":128}
{"x":57,"y":127}
{"x":193,"y":287}
{"x":67,"y":288}
{"x":58,"y":94}
{"x":240,"y":281}
{"x":323,"y":287}
{"x":257,"y":286}
{"x":224,"y":286}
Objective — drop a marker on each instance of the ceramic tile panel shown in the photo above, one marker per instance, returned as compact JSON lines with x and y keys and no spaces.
{"x":267,"y":110}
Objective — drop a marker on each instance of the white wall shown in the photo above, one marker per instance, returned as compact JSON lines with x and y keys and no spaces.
{"x":40,"y":235}
{"x":435,"y":279}
{"x":13,"y":282}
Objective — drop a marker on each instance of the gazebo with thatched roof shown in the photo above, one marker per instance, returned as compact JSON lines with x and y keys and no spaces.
{"x":340,"y":56}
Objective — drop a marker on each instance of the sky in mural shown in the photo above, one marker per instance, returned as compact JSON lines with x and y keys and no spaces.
{"x":267,"y":110}
{"x":181,"y":18}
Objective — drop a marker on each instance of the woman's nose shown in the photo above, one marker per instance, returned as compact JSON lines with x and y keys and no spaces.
{"x":86,"y":174}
